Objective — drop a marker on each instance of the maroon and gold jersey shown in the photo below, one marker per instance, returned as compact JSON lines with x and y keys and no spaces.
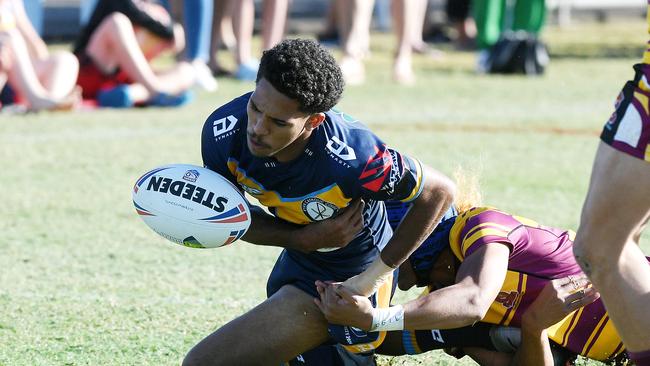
{"x":537,"y":254}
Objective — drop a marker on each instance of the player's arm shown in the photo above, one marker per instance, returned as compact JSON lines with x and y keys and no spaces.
{"x":427,"y":209}
{"x":479,"y":280}
{"x":559,"y":298}
{"x":433,"y":193}
{"x":337,"y":232}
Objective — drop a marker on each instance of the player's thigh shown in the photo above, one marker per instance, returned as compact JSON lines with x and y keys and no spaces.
{"x":618,"y":201}
{"x":285,"y":325}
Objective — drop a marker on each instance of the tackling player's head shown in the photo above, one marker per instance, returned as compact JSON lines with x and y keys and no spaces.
{"x":298,"y":80}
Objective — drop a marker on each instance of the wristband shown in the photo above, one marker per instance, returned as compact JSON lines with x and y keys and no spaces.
{"x":387,"y":319}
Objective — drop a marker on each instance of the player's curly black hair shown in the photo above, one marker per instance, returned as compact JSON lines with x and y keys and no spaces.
{"x":305,"y":71}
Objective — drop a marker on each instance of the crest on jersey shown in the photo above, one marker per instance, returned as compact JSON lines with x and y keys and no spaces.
{"x":317,"y":209}
{"x":224,"y":125}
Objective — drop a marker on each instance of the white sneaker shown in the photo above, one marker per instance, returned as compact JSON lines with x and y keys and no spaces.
{"x":203,"y":77}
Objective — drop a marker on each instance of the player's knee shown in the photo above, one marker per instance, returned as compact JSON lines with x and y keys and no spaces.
{"x":590,"y":253}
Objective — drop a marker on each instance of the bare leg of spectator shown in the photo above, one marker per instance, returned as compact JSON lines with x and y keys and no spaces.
{"x":274,"y":21}
{"x":222,"y":33}
{"x":243,"y":22}
{"x":58,"y":73}
{"x":402,"y":68}
{"x":354,"y":28}
{"x":24,"y":78}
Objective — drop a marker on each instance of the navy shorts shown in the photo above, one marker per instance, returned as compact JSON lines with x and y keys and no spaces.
{"x":332,"y":355}
{"x":303,"y":269}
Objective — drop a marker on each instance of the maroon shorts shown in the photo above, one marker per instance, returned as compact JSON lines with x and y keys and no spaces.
{"x":628,"y":129}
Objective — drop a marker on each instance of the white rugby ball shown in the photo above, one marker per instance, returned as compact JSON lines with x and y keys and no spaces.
{"x":191,"y":206}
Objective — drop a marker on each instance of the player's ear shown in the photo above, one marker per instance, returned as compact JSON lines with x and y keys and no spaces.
{"x":314,"y":121}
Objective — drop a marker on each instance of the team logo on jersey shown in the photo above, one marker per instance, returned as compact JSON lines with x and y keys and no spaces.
{"x":251,"y":190}
{"x":507,"y":299}
{"x":191,"y":175}
{"x":317,"y":209}
{"x":377,"y":169}
{"x":223,"y":125}
{"x":341,"y":149}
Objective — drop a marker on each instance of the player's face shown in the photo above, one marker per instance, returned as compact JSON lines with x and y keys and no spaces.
{"x":276,"y":127}
{"x":443,"y":272}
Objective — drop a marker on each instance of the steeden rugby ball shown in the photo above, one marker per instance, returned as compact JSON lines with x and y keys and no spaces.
{"x":191,"y":206}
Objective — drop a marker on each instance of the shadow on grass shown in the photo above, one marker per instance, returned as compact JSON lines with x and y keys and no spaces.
{"x":595,"y":51}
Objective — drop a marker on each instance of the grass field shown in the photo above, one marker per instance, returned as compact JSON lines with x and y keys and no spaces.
{"x":84,"y":282}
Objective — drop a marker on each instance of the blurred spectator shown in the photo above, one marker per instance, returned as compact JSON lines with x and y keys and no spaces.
{"x":235,"y":20}
{"x":5,"y":62}
{"x":330,"y":35}
{"x":458,"y":14}
{"x":512,"y":18}
{"x":274,"y":21}
{"x":223,"y":36}
{"x":197,"y":23}
{"x":354,"y":18}
{"x":37,"y":78}
{"x":115,"y":50}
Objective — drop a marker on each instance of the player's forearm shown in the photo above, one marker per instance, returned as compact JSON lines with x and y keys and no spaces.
{"x":267,"y":230}
{"x":535,"y":349}
{"x":434,"y":200}
{"x":447,"y":308}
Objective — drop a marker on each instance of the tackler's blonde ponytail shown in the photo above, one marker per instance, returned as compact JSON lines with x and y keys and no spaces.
{"x":468,"y":192}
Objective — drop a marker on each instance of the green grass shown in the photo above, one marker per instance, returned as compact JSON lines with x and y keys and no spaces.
{"x":84,"y":282}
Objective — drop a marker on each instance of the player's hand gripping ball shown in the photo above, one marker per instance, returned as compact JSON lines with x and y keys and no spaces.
{"x":191,"y":206}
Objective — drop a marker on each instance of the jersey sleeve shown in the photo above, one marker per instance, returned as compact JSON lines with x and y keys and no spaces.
{"x":221,"y":137}
{"x":481,"y":226}
{"x":390,"y":175}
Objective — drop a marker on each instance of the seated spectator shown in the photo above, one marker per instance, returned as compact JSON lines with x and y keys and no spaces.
{"x":38,"y":79}
{"x":115,"y":50}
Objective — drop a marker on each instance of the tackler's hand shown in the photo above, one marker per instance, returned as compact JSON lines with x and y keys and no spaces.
{"x":340,"y":306}
{"x":559,"y":298}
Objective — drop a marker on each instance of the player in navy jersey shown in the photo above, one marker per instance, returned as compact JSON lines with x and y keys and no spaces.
{"x":304,"y":161}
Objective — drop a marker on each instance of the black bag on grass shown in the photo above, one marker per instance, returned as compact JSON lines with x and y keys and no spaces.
{"x":518,"y":52}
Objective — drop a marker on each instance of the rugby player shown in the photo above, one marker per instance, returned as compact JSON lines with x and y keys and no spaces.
{"x":285,"y":145}
{"x":489,"y":266}
{"x":615,"y":212}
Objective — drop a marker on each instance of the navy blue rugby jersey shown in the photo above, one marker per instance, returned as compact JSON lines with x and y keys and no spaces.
{"x":342,"y":160}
